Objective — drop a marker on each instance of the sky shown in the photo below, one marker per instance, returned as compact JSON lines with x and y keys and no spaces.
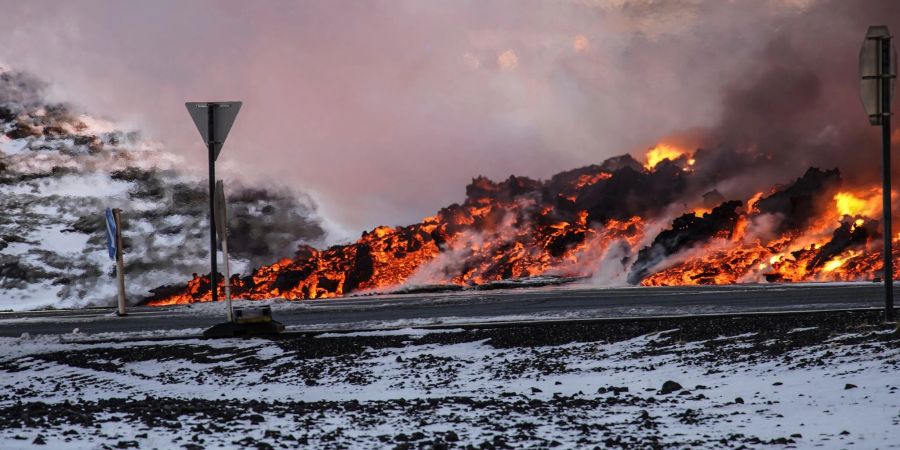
{"x":384,"y":110}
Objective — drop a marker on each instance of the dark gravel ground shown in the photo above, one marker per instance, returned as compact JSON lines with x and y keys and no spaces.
{"x":622,"y":384}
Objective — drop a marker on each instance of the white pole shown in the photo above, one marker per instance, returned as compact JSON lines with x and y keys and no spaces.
{"x":120,"y":261}
{"x":227,"y":278}
{"x":220,"y":209}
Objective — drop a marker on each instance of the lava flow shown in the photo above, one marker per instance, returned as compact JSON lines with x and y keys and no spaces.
{"x":658,"y":223}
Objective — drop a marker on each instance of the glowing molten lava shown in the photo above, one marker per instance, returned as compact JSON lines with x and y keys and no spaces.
{"x":615,"y":222}
{"x":867,"y":204}
{"x":662,"y":152}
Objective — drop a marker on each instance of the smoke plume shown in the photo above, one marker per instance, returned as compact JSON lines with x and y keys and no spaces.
{"x":384,"y":109}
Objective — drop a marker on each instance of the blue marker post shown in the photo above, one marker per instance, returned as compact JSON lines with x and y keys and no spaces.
{"x":114,"y":248}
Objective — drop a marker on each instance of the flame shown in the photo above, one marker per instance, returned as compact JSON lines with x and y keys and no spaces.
{"x":850,"y":204}
{"x":751,"y":203}
{"x":837,"y":262}
{"x":591,"y":179}
{"x":662,"y":152}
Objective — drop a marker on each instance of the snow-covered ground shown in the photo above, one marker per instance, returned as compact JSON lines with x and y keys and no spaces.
{"x":827,"y":380}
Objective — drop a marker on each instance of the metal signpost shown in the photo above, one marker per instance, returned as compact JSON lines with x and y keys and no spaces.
{"x":878,"y":73}
{"x":114,"y":247}
{"x":213,"y":120}
{"x":222,"y":232}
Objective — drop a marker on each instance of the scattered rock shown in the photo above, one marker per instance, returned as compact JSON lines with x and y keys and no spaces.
{"x":849,"y":386}
{"x":669,"y":387}
{"x":615,"y":390}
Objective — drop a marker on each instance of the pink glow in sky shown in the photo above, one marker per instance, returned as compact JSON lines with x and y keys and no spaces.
{"x":384,"y":110}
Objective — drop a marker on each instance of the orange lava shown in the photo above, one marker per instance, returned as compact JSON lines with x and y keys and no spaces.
{"x":521,"y":228}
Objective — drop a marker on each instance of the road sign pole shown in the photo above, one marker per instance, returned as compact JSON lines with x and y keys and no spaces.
{"x":227,"y":280}
{"x":886,"y":73}
{"x":120,"y":261}
{"x":878,"y":73}
{"x":213,"y":278}
{"x":221,"y":206}
{"x":213,"y":120}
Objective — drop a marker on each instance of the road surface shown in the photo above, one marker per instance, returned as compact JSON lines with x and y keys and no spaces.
{"x":556,"y":303}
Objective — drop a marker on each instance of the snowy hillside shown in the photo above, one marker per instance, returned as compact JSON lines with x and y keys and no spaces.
{"x":824,"y":380}
{"x":60,"y":169}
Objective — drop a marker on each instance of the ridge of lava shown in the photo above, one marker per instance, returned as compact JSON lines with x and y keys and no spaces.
{"x":620,"y":222}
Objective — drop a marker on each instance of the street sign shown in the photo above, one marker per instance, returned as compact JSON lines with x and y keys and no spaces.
{"x":213,"y":120}
{"x":223,"y":118}
{"x":111,"y":244}
{"x":221,"y":212}
{"x":878,"y":76}
{"x":872,"y":72}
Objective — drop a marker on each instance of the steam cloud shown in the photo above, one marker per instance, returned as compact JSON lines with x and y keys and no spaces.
{"x":384,"y":109}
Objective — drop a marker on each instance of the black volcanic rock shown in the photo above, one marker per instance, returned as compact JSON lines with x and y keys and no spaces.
{"x":630,"y":193}
{"x":504,"y":191}
{"x":669,"y":387}
{"x":847,"y":235}
{"x":802,"y":200}
{"x":620,"y":162}
{"x":687,"y":231}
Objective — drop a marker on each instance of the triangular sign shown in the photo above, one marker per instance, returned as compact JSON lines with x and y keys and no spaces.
{"x":223,"y":113}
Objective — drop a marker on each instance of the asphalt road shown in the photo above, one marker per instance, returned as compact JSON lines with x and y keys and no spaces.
{"x":556,"y":303}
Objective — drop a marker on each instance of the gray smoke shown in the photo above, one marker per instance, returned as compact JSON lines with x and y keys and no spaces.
{"x":798,"y":102}
{"x":384,"y":110}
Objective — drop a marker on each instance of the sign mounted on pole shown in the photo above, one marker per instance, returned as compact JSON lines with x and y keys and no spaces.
{"x":213,"y":121}
{"x":222,"y":120}
{"x":878,"y":76}
{"x":877,"y":64}
{"x":111,"y":244}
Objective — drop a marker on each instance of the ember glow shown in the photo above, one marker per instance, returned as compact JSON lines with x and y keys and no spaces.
{"x":662,"y":152}
{"x":864,"y":204}
{"x":613,"y":223}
